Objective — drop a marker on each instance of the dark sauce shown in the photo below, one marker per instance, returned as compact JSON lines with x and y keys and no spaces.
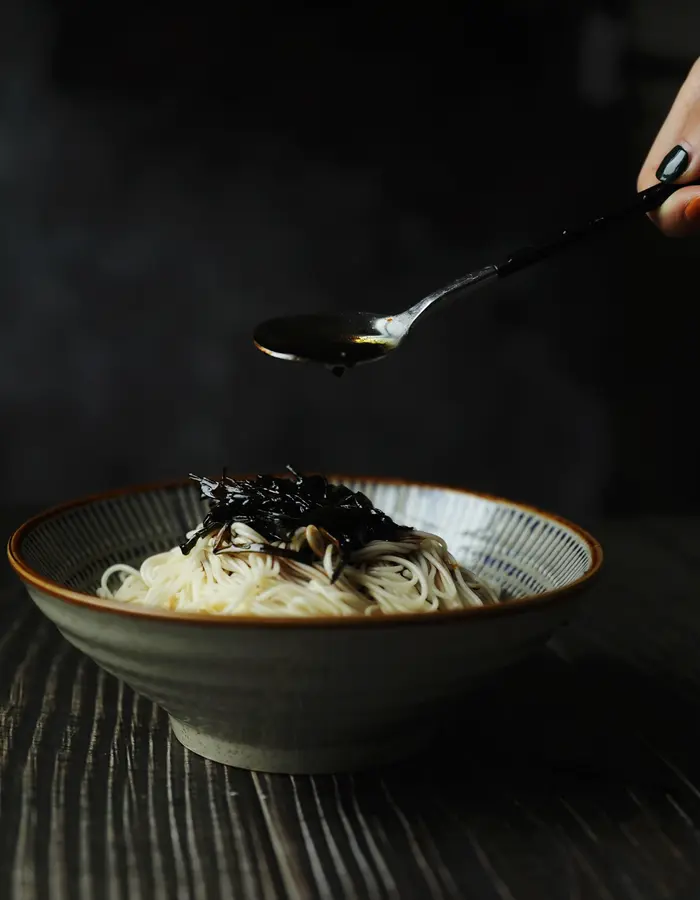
{"x":277,"y":507}
{"x":339,"y":342}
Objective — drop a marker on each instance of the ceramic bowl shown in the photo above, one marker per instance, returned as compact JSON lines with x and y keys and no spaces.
{"x":305,"y":695}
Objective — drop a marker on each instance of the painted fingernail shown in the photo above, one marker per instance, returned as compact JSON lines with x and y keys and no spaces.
{"x":674,"y":164}
{"x":692,"y":211}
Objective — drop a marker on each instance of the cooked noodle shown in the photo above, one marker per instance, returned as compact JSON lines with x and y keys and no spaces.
{"x":412,"y":575}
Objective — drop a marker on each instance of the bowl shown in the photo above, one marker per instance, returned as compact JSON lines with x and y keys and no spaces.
{"x":314,"y":695}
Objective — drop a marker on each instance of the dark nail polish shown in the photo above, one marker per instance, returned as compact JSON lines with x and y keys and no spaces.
{"x":673,"y":165}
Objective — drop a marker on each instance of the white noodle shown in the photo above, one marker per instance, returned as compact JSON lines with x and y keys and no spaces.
{"x":415,"y":574}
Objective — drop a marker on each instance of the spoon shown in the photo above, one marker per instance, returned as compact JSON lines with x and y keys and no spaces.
{"x":343,"y":340}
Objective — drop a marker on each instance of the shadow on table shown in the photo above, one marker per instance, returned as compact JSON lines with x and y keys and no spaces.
{"x":579,"y":776}
{"x":592,"y":719}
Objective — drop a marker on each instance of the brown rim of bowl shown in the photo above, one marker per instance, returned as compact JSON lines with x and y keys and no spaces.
{"x":512,"y":607}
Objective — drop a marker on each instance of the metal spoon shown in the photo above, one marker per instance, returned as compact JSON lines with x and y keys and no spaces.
{"x":343,"y":340}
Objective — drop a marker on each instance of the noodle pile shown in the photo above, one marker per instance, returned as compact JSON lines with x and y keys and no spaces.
{"x":413,"y":574}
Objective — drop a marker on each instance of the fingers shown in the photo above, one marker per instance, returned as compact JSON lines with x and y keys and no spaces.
{"x":679,"y":216}
{"x":675,"y":156}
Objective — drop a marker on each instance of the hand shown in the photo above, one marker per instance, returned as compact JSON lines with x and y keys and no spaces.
{"x":675,"y":156}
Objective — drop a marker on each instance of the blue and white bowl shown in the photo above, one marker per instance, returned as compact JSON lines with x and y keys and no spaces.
{"x":307,"y":695}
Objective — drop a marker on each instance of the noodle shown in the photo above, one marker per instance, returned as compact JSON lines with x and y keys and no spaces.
{"x":414,"y":574}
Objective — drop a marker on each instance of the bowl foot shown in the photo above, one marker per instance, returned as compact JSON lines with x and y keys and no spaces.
{"x":302,"y":761}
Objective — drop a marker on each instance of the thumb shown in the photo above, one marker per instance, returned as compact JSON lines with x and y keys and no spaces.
{"x":675,"y":156}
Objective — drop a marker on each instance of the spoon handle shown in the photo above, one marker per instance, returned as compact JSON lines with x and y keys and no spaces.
{"x":645,"y":201}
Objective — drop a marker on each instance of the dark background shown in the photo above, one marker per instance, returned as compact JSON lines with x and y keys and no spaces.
{"x":171,"y":174}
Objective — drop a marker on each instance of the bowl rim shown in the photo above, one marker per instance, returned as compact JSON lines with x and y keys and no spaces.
{"x":476,"y":613}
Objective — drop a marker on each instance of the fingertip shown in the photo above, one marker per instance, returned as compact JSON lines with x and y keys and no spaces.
{"x":680,"y":215}
{"x":691,"y":213}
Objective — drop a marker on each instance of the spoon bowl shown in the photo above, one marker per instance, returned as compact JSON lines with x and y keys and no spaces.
{"x":339,"y":341}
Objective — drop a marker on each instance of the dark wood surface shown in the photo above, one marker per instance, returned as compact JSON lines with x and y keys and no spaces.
{"x":576,"y":775}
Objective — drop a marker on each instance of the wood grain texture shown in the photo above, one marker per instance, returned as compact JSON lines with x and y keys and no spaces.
{"x":576,"y":775}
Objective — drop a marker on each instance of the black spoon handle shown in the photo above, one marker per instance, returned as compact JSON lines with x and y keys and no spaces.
{"x":645,"y":201}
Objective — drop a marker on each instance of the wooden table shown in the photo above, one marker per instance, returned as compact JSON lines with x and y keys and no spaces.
{"x":576,"y":775}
